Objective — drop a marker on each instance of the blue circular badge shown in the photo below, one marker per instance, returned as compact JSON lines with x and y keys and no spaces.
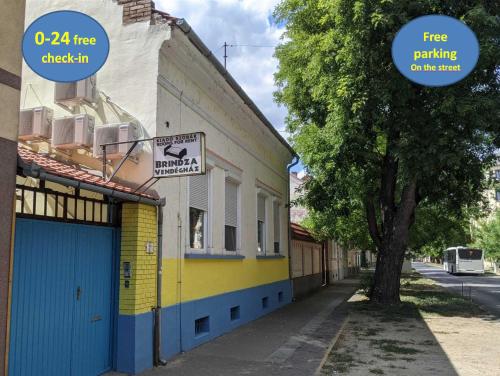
{"x":65,"y":46}
{"x":435,"y":50}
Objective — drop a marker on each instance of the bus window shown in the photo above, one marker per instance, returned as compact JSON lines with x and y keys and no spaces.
{"x":470,"y":254}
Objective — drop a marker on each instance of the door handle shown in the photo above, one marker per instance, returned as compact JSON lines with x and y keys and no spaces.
{"x":96,"y":318}
{"x":78,"y":293}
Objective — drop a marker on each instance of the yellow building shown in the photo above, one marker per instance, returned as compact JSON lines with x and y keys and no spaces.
{"x":189,"y":259}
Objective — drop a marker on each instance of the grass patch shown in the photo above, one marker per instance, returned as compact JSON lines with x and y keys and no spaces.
{"x":428,"y":342}
{"x":407,"y":359}
{"x":370,"y":332}
{"x":420,"y":296}
{"x":395,"y":349}
{"x":393,"y":346}
{"x":339,"y":362}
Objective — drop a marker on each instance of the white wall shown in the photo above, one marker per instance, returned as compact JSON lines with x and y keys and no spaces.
{"x":128,"y":77}
{"x":193,"y":97}
{"x":157,"y":76}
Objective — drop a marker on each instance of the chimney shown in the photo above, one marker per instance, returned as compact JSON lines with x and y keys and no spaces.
{"x":136,"y":10}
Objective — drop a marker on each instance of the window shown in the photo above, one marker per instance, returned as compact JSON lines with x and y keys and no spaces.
{"x":497,"y":196}
{"x":265,"y":302}
{"x":201,"y":326}
{"x":497,"y":175}
{"x":235,"y":313}
{"x":261,"y":224}
{"x":198,"y":211}
{"x":276,"y":215}
{"x":470,"y":254}
{"x":231,"y":214}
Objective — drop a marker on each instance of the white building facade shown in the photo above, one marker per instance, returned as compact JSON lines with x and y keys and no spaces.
{"x":225,"y":233}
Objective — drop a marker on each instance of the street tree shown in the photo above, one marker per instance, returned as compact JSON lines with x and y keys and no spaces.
{"x":488,"y":237}
{"x":372,"y":140}
{"x":436,"y":229}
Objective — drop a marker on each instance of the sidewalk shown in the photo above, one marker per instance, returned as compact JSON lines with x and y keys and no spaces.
{"x":291,"y":341}
{"x":432,"y":332}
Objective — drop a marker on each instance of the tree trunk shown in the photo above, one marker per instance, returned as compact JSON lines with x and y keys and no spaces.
{"x":392,"y":243}
{"x":386,"y":282}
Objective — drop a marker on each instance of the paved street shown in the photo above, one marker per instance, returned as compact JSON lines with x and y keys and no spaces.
{"x":485,"y":289}
{"x":291,"y":341}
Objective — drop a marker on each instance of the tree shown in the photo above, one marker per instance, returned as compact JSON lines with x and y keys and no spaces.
{"x":435,"y":229}
{"x":488,"y":237}
{"x":373,"y":141}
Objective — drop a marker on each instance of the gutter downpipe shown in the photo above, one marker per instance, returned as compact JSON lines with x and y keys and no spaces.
{"x":157,"y":360}
{"x":288,"y":194}
{"x":205,"y":51}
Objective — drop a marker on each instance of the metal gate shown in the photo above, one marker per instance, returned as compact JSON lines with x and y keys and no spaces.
{"x":62,"y":299}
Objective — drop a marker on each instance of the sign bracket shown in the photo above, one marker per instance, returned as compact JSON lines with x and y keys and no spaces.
{"x":122,"y":161}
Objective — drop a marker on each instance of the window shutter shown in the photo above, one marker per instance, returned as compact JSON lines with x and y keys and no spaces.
{"x":261,"y":208}
{"x":198,"y":192}
{"x":231,"y":204}
{"x":276,"y":214}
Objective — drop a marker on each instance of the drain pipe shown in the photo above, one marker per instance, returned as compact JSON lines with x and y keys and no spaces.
{"x":288,"y":168}
{"x":157,"y":360}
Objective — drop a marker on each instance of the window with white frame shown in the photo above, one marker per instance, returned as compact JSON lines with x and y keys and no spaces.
{"x":277,"y":224}
{"x":497,"y":175}
{"x":261,"y":223}
{"x":198,"y":211}
{"x":497,"y":195}
{"x":231,"y":216}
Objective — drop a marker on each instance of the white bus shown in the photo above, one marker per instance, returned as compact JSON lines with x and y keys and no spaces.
{"x":463,"y":260}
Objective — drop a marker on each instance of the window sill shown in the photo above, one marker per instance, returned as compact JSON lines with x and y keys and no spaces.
{"x":268,"y":257}
{"x":206,"y":256}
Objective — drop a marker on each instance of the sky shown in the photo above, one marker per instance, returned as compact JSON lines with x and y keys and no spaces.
{"x":245,"y":23}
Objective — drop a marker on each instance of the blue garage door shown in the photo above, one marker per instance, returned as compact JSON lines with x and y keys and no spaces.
{"x":62,"y":299}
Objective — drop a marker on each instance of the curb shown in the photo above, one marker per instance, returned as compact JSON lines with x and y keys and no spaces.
{"x":332,"y":343}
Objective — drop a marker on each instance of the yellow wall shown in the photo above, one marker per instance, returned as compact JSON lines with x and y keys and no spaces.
{"x":201,"y":278}
{"x":139,"y":226}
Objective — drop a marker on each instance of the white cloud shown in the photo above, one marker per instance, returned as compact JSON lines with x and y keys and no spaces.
{"x":241,"y":22}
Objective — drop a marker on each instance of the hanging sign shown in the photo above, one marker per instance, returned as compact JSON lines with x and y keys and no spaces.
{"x":179,"y":155}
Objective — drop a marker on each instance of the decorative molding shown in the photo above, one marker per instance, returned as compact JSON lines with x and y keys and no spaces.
{"x":269,"y":257}
{"x":202,"y":256}
{"x":267,"y":190}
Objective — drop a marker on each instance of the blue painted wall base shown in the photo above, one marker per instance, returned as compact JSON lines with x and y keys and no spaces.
{"x":178,"y":321}
{"x":134,"y":343}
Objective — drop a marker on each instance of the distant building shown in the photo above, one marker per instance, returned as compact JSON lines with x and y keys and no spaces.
{"x":297,"y":212}
{"x":340,"y":262}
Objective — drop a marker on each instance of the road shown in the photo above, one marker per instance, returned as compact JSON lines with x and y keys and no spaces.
{"x":485,"y":289}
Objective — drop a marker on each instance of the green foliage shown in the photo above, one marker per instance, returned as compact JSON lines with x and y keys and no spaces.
{"x":488,"y":236}
{"x":351,"y":112}
{"x":436,"y":229}
{"x":366,"y":283}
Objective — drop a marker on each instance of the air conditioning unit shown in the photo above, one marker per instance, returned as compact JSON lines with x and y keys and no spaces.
{"x":73,"y":132}
{"x":74,"y":93}
{"x":35,"y":124}
{"x":108,"y":133}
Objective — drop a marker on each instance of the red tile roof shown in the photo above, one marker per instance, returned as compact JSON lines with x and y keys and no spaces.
{"x":300,"y":233}
{"x":74,"y":172}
